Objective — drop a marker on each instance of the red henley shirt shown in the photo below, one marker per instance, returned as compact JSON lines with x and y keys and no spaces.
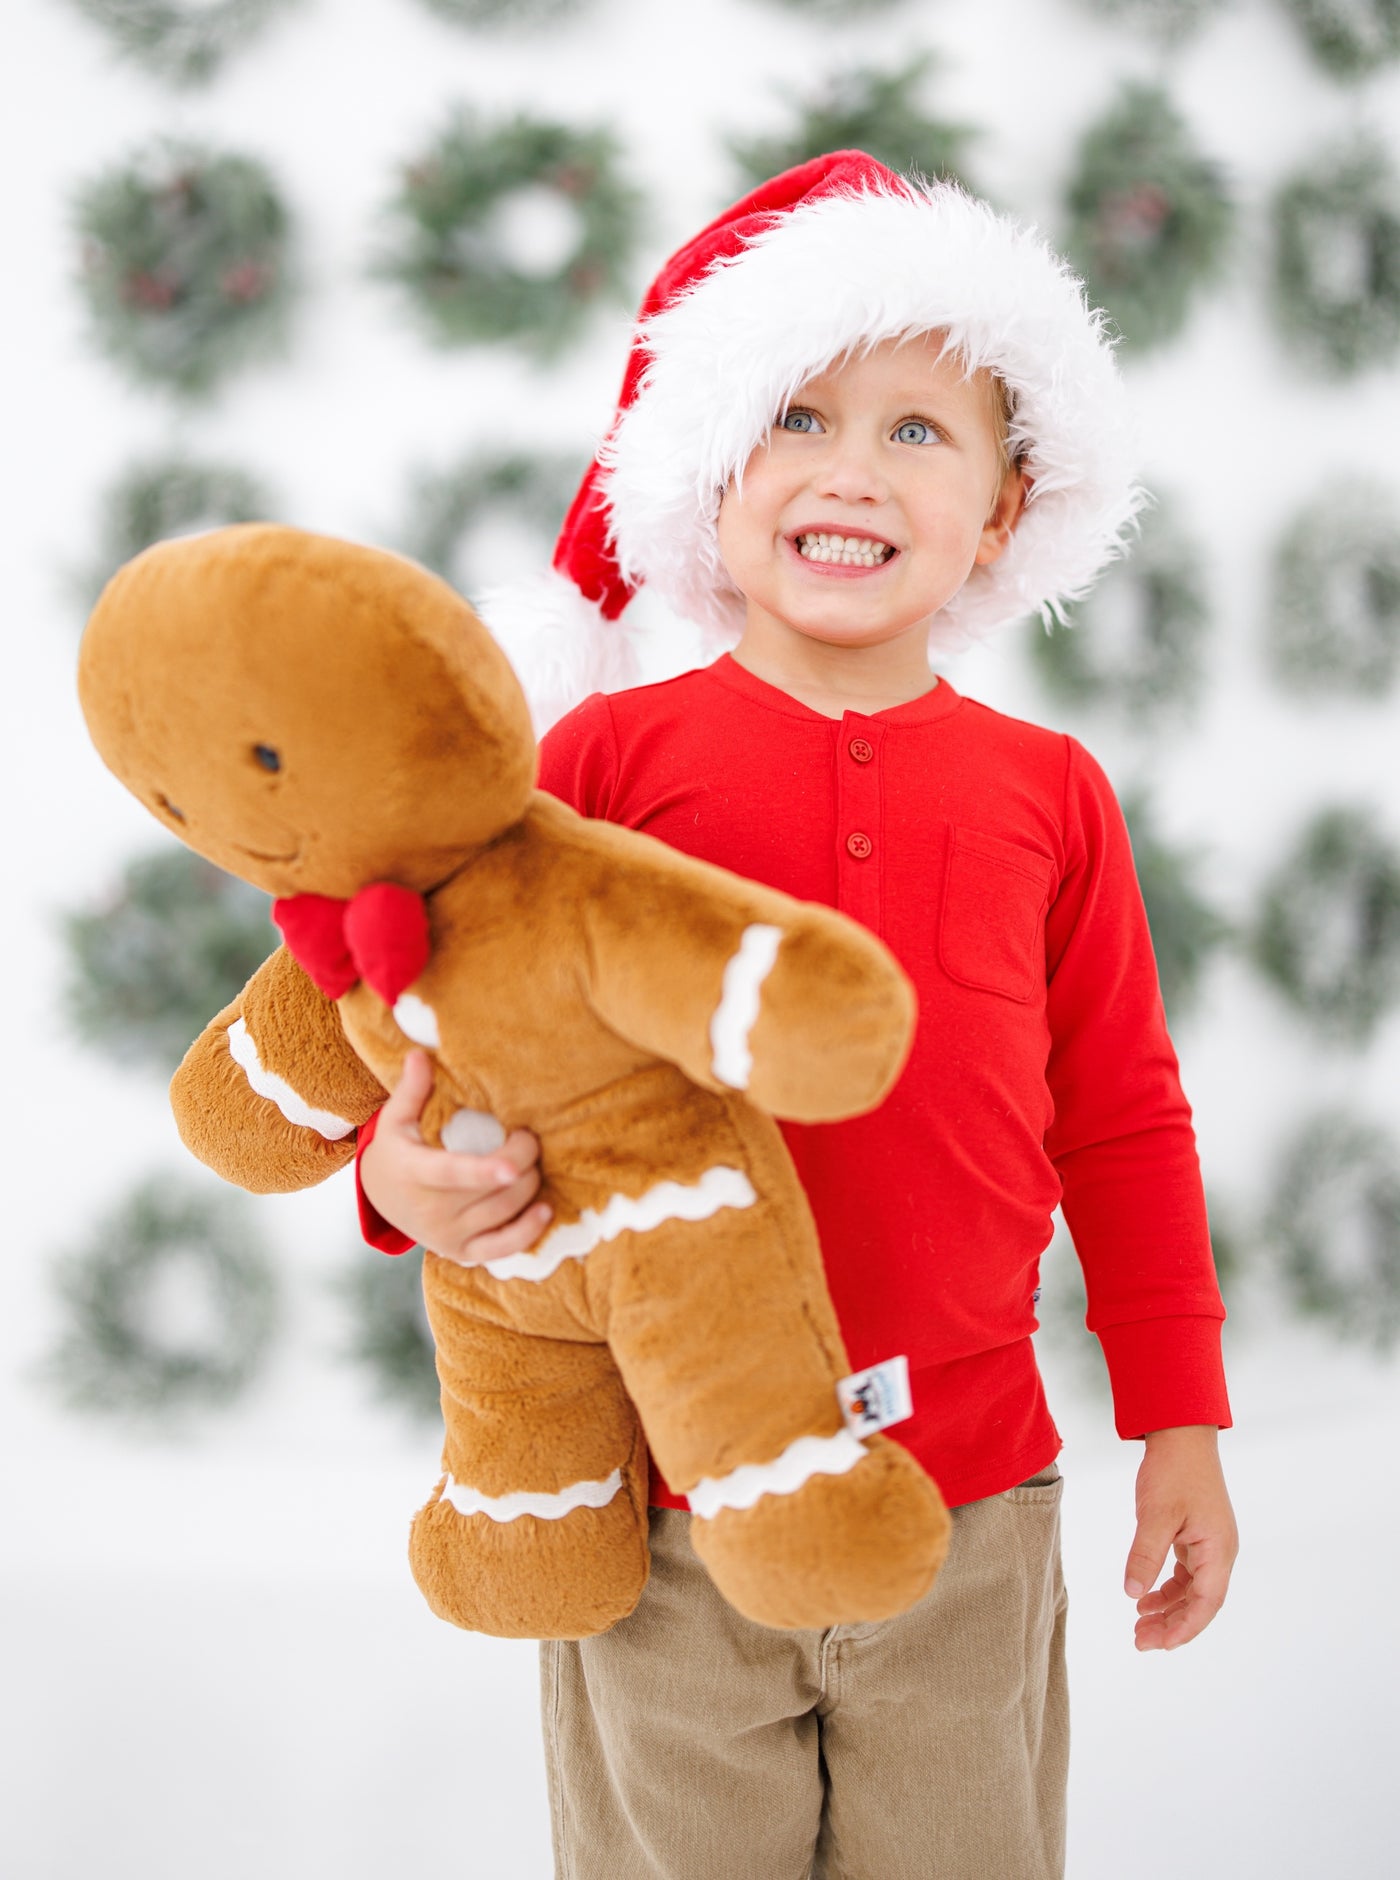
{"x":991,"y":857}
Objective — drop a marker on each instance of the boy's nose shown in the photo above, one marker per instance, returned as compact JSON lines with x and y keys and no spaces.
{"x":851,"y":472}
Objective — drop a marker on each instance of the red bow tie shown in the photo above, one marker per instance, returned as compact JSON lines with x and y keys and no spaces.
{"x":381,"y":936}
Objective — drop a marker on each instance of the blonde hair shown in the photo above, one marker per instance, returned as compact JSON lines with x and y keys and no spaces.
{"x":1003,"y":407}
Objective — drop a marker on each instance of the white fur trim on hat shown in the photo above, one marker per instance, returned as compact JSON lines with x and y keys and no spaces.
{"x":857,"y":268}
{"x":559,"y":644}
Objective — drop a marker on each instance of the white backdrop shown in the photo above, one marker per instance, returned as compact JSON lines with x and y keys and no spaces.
{"x":214,"y":1659}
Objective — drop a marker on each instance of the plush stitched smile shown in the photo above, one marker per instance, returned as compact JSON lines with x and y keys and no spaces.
{"x":850,"y":551}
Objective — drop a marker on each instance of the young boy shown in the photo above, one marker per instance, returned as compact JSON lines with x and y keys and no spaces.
{"x":865,"y":418}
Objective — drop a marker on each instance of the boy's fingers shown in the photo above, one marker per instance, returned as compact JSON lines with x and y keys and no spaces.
{"x":1204,"y":1598}
{"x":1165,"y":1631}
{"x":1146,"y":1557}
{"x":1183,"y":1607}
{"x":522,"y":1147}
{"x":516,"y":1236}
{"x":480,"y":1174}
{"x":520,"y":1151}
{"x":1163,"y":1605}
{"x":444,"y":1173}
{"x":410,"y":1093}
{"x":515,"y":1157}
{"x":1169,"y":1593}
{"x":502,"y":1206}
{"x":1181,"y":1627}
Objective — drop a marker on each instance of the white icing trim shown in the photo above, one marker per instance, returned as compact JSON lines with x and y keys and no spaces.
{"x":669,"y":1201}
{"x":296,"y":1109}
{"x":808,"y":1456}
{"x":524,"y":1501}
{"x":417,"y":1020}
{"x":738,"y":1004}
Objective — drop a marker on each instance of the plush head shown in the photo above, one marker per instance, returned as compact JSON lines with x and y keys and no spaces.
{"x":307,"y":713}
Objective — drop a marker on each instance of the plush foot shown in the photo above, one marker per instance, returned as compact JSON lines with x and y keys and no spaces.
{"x":566,"y":1575}
{"x":840,"y":1550}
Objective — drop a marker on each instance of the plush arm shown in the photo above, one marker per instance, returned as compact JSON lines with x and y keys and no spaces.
{"x":741,"y":986}
{"x":270,"y":1094}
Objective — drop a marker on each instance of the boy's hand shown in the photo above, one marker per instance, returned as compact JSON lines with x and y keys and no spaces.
{"x":468,"y":1208}
{"x":1182,"y":1504}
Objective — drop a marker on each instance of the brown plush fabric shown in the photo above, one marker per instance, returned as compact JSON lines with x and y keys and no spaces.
{"x":574,"y":981}
{"x":299,"y":1038}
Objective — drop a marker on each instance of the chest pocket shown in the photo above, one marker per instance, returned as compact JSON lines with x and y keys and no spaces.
{"x":995,"y":894}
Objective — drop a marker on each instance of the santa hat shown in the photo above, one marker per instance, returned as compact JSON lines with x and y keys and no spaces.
{"x":838,"y":253}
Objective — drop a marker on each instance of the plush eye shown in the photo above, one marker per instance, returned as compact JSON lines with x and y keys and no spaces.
{"x":165,"y":803}
{"x":267,"y":757}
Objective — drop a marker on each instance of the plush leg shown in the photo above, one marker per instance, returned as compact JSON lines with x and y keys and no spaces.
{"x":538,"y":1526}
{"x":838,"y":1550}
{"x":726,"y":1339}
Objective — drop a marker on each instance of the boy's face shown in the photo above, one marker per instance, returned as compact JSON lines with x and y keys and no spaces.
{"x":895,"y":451}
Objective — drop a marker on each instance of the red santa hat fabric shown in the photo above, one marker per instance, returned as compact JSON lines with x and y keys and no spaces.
{"x":837,"y":253}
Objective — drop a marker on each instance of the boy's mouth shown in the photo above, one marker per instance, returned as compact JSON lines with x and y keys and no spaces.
{"x":842,"y":551}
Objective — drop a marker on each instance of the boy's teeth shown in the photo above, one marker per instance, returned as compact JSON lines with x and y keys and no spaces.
{"x":853,"y":549}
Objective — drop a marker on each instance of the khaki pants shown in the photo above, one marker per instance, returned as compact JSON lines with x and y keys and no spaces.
{"x":689,"y":1744}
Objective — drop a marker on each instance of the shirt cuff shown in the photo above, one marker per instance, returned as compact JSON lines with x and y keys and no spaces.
{"x":1165,"y":1374}
{"x":376,"y":1230}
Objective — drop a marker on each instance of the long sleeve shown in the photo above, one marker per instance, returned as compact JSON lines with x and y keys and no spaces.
{"x":380,"y":1234}
{"x":1122,"y":1140}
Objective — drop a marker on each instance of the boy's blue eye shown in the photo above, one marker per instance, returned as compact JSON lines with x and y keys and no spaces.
{"x":797,"y":421}
{"x":915,"y":431}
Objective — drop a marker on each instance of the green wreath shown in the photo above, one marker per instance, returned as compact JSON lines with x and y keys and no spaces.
{"x":185,"y":44}
{"x":166,"y":496}
{"x":1149,"y":218}
{"x":389,"y":1335}
{"x":1167,"y":19}
{"x":185,"y":260}
{"x":121,"y":1350}
{"x":1334,"y":614}
{"x":1335,"y":1220}
{"x":503,"y":13}
{"x":1351,"y":38}
{"x":1327,"y":929}
{"x":1186,"y":929}
{"x":448,"y":506}
{"x":446,"y":253}
{"x":152,"y":962}
{"x":1136,"y":643}
{"x":1336,"y":260}
{"x":877,"y":112}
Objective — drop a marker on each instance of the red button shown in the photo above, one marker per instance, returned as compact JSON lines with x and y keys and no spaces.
{"x":859,"y":845}
{"x":861,"y":750}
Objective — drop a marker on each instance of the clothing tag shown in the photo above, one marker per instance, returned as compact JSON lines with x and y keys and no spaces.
{"x":872,"y":1400}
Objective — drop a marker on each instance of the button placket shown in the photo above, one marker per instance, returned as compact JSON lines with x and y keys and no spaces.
{"x":858,"y":823}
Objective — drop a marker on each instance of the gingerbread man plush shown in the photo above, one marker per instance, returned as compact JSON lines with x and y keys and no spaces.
{"x":333,"y":724}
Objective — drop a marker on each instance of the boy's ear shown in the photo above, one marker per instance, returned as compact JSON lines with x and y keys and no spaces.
{"x":1005,"y":513}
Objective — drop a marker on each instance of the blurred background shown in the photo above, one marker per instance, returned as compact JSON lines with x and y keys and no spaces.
{"x":368,"y":266}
